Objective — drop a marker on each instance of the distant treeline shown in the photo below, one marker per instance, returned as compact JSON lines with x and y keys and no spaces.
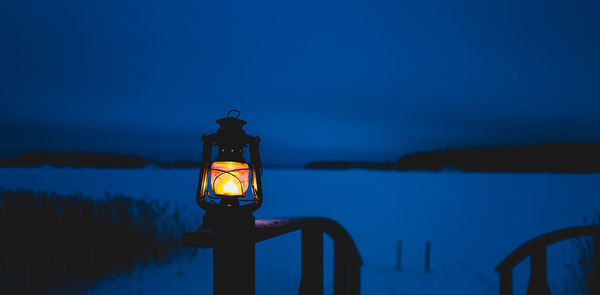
{"x":560,"y":158}
{"x":65,"y":244}
{"x":89,"y":160}
{"x":350,"y":165}
{"x":565,"y":158}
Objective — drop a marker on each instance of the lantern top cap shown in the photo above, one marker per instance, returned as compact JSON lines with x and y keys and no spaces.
{"x":232,"y":120}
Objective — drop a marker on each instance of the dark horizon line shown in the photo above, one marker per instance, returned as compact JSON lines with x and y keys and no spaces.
{"x":553,"y":158}
{"x":416,"y":161}
{"x":108,"y":160}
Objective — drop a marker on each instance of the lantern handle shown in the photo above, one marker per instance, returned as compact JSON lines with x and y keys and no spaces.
{"x":235,"y":116}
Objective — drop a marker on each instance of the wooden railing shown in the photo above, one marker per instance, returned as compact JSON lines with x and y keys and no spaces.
{"x":233,"y":255}
{"x":536,"y":250}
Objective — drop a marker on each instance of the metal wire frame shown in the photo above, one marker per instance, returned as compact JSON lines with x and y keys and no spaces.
{"x":223,"y":172}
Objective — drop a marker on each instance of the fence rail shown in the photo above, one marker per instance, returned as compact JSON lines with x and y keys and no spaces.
{"x":233,"y":255}
{"x":536,"y":250}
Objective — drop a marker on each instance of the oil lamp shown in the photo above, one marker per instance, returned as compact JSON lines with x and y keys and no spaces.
{"x":223,"y":183}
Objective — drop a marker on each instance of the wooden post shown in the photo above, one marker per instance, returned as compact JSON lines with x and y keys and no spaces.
{"x":346,"y":270}
{"x":399,"y":256}
{"x":354,"y":278}
{"x":427,"y":255}
{"x":506,"y":287}
{"x":538,"y":277}
{"x":311,"y":281}
{"x":233,"y":268}
{"x":340,"y":274}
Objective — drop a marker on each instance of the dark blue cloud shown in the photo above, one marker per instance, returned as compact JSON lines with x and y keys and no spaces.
{"x":316,"y":79}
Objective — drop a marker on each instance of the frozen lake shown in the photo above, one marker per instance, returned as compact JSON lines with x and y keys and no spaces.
{"x":473,"y":221}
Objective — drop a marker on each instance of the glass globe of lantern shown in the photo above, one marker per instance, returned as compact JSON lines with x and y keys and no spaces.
{"x":229,"y":179}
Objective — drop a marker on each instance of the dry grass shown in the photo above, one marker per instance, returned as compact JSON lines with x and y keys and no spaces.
{"x":65,"y":244}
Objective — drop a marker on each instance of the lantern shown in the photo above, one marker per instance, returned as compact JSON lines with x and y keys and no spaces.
{"x":225,"y":182}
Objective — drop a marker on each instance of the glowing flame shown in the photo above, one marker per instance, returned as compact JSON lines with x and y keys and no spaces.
{"x":230,"y":188}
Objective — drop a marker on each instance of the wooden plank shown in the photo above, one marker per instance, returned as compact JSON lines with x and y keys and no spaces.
{"x":506,"y":284}
{"x":341,"y":278}
{"x":311,"y":280}
{"x":538,"y":276}
{"x":346,"y":269}
{"x":354,"y":279}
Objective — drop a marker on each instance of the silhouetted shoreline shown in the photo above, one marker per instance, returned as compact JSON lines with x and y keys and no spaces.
{"x":556,"y":158}
{"x":90,"y":160}
{"x":350,"y":165}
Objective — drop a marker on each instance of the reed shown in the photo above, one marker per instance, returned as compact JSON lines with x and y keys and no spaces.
{"x":52,"y":243}
{"x":581,"y":271}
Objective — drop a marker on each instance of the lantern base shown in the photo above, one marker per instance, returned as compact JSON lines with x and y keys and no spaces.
{"x":232,"y":220}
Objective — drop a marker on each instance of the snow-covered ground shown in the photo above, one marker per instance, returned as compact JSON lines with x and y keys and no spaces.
{"x":473,"y":221}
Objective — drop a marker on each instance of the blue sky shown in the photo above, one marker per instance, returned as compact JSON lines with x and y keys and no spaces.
{"x":367,"y":80}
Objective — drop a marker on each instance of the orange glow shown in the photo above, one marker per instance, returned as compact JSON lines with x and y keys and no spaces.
{"x":229,"y":178}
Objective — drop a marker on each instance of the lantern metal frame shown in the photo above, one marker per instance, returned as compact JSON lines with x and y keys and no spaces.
{"x":231,"y":139}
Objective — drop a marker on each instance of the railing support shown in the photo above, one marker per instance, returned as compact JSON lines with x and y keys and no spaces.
{"x":538,"y":277}
{"x":506,"y":282}
{"x":346,"y":271}
{"x":311,"y":281}
{"x":234,"y":254}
